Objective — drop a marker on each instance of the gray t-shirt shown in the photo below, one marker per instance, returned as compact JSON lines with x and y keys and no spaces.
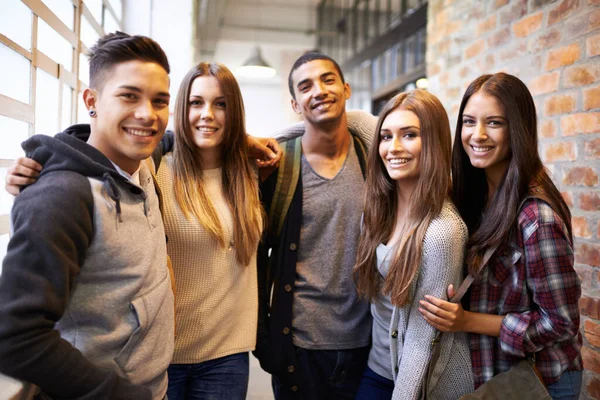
{"x":380,"y":360}
{"x":327,"y":312}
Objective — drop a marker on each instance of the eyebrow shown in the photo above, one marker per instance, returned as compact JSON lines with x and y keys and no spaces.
{"x":402,"y":129}
{"x":490,"y":117}
{"x":195,"y":96}
{"x":138,"y":90}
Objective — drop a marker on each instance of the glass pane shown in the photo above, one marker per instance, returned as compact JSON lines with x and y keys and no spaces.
{"x":3,"y":246}
{"x":95,"y":7}
{"x":82,"y":113}
{"x":110,"y":24}
{"x":63,"y":9}
{"x":18,"y":68}
{"x":117,"y":6}
{"x":65,"y":120}
{"x":15,"y":22}
{"x":409,"y":53}
{"x":89,"y":36}
{"x":52,"y":44}
{"x":46,"y":105}
{"x":84,"y":68}
{"x":6,"y":199}
{"x":12,"y":133}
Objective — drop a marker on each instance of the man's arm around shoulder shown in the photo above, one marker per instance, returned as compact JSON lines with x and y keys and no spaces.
{"x":52,"y":230}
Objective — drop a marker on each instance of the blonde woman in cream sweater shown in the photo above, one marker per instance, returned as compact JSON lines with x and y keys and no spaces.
{"x":213,"y":222}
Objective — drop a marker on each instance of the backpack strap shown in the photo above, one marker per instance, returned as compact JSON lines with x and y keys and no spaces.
{"x":361,"y":153}
{"x":287,"y":180}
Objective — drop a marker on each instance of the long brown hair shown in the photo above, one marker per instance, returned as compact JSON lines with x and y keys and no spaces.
{"x":381,"y":201}
{"x":470,"y":189}
{"x":240,"y":186}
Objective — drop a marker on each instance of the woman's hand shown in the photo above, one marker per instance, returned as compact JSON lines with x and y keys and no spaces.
{"x":266,"y":151}
{"x":24,"y":171}
{"x":443,"y":315}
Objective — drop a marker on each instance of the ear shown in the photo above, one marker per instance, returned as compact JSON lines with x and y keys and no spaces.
{"x":347,"y":90}
{"x":90,"y":96}
{"x":296,"y":107}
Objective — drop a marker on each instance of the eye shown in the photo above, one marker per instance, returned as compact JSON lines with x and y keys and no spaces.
{"x":221,"y":104}
{"x":410,"y":135}
{"x":495,"y":123}
{"x":128,"y":96}
{"x":330,"y":81}
{"x":468,"y":121}
{"x":161,"y":102}
{"x":386,"y":136}
{"x":195,"y":103}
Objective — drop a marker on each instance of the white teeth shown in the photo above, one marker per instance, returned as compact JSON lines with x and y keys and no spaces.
{"x":323,"y":106}
{"x":140,"y":132}
{"x":398,"y":161}
{"x":206,"y":129}
{"x":481,"y":149}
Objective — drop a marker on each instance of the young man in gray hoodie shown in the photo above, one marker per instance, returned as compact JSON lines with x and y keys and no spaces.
{"x":86,"y":306}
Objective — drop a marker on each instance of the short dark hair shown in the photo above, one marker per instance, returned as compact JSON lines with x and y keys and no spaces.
{"x":306,"y":58}
{"x":119,"y":47}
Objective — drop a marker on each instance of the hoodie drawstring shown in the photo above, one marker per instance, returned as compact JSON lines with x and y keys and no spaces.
{"x":113,"y":192}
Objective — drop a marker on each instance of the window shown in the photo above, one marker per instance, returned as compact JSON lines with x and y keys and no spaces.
{"x":44,"y":56}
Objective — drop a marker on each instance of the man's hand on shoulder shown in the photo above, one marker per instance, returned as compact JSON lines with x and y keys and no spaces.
{"x":24,"y":171}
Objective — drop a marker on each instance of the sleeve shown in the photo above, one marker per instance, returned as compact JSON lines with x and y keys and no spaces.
{"x":362,"y":123}
{"x":443,"y":251}
{"x":555,"y":288}
{"x":264,"y":285}
{"x":52,"y":229}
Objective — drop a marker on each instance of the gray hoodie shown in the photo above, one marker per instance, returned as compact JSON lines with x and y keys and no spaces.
{"x":86,"y":307}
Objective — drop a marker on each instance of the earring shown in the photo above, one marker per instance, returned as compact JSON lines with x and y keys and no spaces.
{"x":92,"y":112}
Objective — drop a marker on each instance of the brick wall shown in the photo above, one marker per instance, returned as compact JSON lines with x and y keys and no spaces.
{"x":554,"y":47}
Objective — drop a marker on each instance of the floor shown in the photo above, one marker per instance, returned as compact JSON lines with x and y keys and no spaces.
{"x":259,"y":387}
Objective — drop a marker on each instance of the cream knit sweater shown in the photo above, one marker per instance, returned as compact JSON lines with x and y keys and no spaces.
{"x":216,"y":304}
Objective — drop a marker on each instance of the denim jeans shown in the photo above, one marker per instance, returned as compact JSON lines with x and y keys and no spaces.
{"x":567,"y":387}
{"x":224,"y":378}
{"x":327,"y":374}
{"x":374,"y":387}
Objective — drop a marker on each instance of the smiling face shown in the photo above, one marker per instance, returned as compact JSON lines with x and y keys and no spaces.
{"x":132,"y":112}
{"x":320,"y":93}
{"x":400,"y":146}
{"x":485,"y":136}
{"x":206,"y":115}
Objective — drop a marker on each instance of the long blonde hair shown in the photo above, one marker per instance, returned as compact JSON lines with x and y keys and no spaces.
{"x":240,"y":186}
{"x":381,"y":200}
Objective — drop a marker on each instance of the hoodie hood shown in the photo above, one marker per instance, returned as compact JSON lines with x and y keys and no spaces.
{"x":68,"y":151}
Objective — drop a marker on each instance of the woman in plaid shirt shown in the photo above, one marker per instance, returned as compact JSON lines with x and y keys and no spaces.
{"x":525,"y":300}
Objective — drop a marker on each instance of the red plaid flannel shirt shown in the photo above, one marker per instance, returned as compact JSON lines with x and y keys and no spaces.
{"x":532,"y":282}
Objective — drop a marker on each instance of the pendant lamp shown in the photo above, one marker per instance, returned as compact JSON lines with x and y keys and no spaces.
{"x":255,"y":67}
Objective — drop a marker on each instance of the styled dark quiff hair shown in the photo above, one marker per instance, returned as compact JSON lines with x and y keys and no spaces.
{"x":525,"y":173}
{"x":306,"y":58}
{"x":381,"y":200}
{"x":116,"y":48}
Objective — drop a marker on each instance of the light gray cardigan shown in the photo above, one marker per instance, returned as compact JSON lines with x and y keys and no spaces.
{"x":411,"y":336}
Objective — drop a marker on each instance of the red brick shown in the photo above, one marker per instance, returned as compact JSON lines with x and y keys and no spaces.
{"x":592,"y":332}
{"x":592,"y":149}
{"x":581,"y":75}
{"x":593,"y":45}
{"x":513,"y":51}
{"x":547,"y":129}
{"x":586,"y":275}
{"x":562,"y":11}
{"x":487,"y":25}
{"x":581,"y":176}
{"x":559,"y":104}
{"x":593,"y":2}
{"x":589,"y":307}
{"x":499,"y":38}
{"x":581,"y":228}
{"x":588,"y":254}
{"x":464,"y":71}
{"x":501,"y":3}
{"x":544,"y":83}
{"x":563,"y":56}
{"x":545,"y":41}
{"x":584,"y":23}
{"x":433,"y":69}
{"x":516,"y":11}
{"x":589,"y":201}
{"x":486,"y":63}
{"x":475,"y":49}
{"x":562,"y":151}
{"x":568,"y":197}
{"x":574,"y":124}
{"x":591,"y":359}
{"x":528,"y":25}
{"x":593,"y":386}
{"x":591,"y":98}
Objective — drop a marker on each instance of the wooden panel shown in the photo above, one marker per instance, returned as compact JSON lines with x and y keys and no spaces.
{"x":67,"y":77}
{"x":44,"y":62}
{"x":13,"y":46}
{"x":12,"y":108}
{"x":90,"y":18}
{"x":41,"y":10}
{"x":5,"y":163}
{"x":4,"y":224}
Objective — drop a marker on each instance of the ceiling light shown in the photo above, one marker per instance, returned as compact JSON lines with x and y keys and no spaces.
{"x":255,"y":67}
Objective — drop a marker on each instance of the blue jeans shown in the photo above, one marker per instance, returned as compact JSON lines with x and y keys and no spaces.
{"x":327,"y":374}
{"x":374,"y":387}
{"x":567,"y":387}
{"x":224,"y":378}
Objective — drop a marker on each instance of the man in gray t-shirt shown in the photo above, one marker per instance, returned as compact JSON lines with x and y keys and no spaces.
{"x":314,"y":330}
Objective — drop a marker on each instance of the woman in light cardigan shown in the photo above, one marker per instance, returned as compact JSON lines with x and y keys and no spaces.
{"x":412,"y":244}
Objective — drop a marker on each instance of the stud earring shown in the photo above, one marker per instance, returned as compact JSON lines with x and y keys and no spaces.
{"x":92,"y":112}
